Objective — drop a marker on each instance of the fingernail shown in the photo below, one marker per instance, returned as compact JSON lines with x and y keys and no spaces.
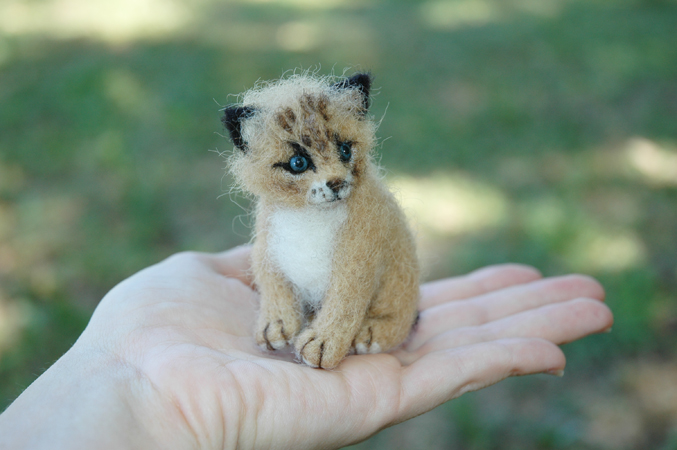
{"x":555,"y":372}
{"x":608,"y":330}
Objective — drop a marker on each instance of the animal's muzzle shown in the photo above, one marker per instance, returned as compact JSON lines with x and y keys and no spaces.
{"x":336,"y":185}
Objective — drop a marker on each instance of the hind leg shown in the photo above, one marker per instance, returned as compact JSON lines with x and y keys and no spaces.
{"x":382,"y":333}
{"x":390,"y":317}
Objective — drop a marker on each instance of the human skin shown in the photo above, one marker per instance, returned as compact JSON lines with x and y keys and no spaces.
{"x":168,"y":361}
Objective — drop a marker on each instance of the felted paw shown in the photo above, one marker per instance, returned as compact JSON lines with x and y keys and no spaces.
{"x":276,"y":334}
{"x":319,"y":349}
{"x":367,"y":340}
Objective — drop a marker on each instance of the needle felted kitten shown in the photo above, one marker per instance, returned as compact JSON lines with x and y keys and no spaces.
{"x":333,"y":259}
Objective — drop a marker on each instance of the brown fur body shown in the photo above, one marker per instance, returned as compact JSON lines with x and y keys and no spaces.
{"x":335,"y":219}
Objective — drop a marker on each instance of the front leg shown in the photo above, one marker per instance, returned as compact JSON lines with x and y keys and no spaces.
{"x":329,"y":337}
{"x":280,"y":318}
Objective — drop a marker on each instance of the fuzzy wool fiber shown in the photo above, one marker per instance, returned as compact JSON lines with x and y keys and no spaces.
{"x":333,"y":260}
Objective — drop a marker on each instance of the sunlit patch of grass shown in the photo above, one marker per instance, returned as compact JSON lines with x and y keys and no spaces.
{"x":126,"y":91}
{"x":447,"y":205}
{"x":308,"y":4}
{"x":614,"y":423}
{"x":14,"y":316}
{"x":114,"y":21}
{"x":452,"y":14}
{"x":298,"y":36}
{"x":628,"y":421}
{"x":450,"y":203}
{"x":654,"y":383}
{"x":587,"y":241}
{"x":656,"y":164}
{"x":598,"y":249}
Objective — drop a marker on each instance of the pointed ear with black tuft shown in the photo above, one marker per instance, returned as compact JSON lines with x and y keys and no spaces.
{"x":232,"y":119}
{"x":360,"y":81}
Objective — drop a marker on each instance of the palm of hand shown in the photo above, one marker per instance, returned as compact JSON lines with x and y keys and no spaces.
{"x":186,"y":326}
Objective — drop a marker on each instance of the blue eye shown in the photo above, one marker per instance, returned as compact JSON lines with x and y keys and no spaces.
{"x":298,"y":163}
{"x":345,"y":151}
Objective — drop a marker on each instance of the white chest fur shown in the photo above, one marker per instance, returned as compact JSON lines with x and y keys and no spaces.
{"x":301,"y":243}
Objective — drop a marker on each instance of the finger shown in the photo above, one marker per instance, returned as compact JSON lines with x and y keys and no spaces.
{"x":476,"y":283}
{"x":443,"y":375}
{"x":503,"y":303}
{"x":233,"y":263}
{"x":559,"y":323}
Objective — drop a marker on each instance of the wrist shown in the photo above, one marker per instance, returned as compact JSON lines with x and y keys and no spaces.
{"x":88,"y":399}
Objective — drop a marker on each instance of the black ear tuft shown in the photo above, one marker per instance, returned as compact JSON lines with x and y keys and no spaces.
{"x":361,"y":81}
{"x":232,"y":119}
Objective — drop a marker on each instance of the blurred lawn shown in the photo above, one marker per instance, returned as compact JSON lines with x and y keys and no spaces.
{"x":536,"y":131}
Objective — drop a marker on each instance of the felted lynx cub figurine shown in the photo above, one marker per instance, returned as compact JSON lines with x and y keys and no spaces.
{"x":333,"y":260}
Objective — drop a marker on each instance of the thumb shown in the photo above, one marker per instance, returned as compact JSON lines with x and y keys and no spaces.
{"x":233,"y":263}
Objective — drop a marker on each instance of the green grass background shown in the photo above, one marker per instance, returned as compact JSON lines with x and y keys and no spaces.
{"x":566,"y":108}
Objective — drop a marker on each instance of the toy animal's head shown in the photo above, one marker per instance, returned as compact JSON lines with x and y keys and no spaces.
{"x":303,"y":140}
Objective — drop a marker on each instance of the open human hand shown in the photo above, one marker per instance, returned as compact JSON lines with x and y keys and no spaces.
{"x":183,"y":330}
